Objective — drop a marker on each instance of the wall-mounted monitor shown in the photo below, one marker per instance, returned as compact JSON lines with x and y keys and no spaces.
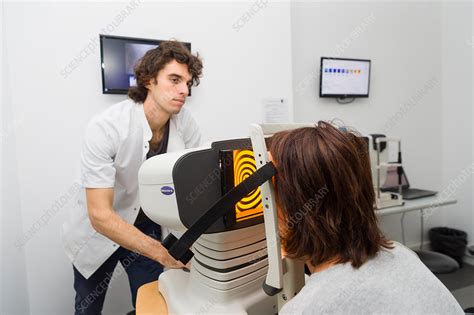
{"x":118,"y":58}
{"x":344,"y":77}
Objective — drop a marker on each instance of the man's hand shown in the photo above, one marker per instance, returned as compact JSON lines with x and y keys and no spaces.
{"x":107,"y":222}
{"x":164,"y":258}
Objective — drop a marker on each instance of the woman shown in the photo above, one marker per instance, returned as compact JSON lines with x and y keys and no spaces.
{"x":325,"y":195}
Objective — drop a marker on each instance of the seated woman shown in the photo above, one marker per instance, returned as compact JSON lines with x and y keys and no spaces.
{"x":326,"y":207}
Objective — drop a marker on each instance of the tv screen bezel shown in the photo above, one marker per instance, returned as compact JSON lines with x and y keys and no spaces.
{"x":130,"y":39}
{"x":343,"y":95}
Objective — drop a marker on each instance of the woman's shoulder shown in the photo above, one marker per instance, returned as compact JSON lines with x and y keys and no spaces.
{"x":397,"y":249}
{"x":393,"y":281}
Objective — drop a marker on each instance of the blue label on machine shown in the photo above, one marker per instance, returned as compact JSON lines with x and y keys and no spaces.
{"x":167,"y":190}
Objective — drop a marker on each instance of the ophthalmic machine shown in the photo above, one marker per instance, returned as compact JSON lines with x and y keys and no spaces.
{"x":221,"y":200}
{"x":378,"y":147}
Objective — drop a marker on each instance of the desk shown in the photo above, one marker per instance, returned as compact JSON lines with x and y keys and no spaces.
{"x":421,"y":205}
{"x":150,"y":301}
{"x":417,"y":204}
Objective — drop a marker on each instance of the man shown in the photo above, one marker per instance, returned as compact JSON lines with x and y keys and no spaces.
{"x":107,"y":225}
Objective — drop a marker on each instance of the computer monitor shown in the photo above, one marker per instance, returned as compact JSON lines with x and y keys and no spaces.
{"x":119,"y":56}
{"x":343,"y":78}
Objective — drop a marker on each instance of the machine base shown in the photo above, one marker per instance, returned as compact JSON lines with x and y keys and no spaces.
{"x":388,"y":200}
{"x":184,"y":294}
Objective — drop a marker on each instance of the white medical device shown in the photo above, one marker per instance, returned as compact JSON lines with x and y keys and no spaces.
{"x":379,"y":157}
{"x":222,"y":199}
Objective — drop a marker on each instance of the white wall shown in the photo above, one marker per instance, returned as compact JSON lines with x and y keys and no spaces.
{"x":2,"y":96}
{"x":458,"y":140}
{"x":411,"y":88}
{"x":398,"y":42}
{"x":243,"y":63}
{"x":13,"y":281}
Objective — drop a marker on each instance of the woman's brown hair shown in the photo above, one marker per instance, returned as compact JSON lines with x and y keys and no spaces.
{"x":325,"y":195}
{"x":156,"y":59}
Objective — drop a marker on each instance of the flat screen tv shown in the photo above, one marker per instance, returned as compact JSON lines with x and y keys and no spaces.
{"x":118,"y":58}
{"x":344,"y":78}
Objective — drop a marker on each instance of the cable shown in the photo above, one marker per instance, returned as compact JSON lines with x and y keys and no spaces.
{"x":340,"y":100}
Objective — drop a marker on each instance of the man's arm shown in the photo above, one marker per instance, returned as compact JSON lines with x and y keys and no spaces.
{"x":108,"y":223}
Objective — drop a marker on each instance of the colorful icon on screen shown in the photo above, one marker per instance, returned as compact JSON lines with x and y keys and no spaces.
{"x":343,"y":71}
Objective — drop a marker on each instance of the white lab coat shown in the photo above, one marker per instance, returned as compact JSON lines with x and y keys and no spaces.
{"x":115,"y":146}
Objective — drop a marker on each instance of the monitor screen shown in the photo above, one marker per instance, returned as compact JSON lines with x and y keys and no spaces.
{"x":344,"y":77}
{"x":119,"y":56}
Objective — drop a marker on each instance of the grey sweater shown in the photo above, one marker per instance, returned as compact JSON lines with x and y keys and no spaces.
{"x":393,"y":282}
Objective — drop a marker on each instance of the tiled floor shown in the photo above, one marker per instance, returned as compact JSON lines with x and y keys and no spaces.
{"x":465,"y":296}
{"x":461,"y":284}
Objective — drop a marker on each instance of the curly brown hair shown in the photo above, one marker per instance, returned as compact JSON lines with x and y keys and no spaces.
{"x":156,"y":59}
{"x":325,"y":196}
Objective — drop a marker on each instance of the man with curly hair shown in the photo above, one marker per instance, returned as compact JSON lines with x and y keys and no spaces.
{"x":107,"y":225}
